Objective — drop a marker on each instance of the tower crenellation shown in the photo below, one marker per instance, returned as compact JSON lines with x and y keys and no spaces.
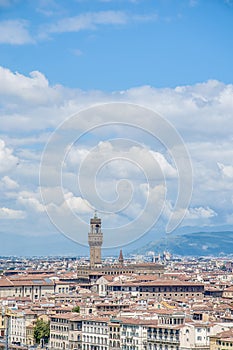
{"x":95,"y":240}
{"x":96,"y":269}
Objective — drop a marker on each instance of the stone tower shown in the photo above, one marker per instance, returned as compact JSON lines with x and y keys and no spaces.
{"x":95,"y":241}
{"x":121,"y":259}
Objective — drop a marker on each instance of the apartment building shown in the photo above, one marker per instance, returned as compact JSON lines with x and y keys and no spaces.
{"x":228,"y":292}
{"x":95,"y":334}
{"x":65,"y":332}
{"x":133,"y":334}
{"x":195,"y":336}
{"x":114,"y":334}
{"x":222,"y":341}
{"x":163,"y":337}
{"x":164,"y":333}
{"x":17,"y":327}
{"x":169,"y":330}
{"x":33,"y":287}
{"x":70,"y":331}
{"x":20,"y":327}
{"x":160,"y":289}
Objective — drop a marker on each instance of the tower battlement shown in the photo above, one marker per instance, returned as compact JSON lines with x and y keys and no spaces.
{"x":95,"y":241}
{"x":96,"y":269}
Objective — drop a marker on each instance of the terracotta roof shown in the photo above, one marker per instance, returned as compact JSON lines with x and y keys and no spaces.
{"x":32,"y":281}
{"x":157,"y":282}
{"x":226,"y":335}
{"x":5,"y":282}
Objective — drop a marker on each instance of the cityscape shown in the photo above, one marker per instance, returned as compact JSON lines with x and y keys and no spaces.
{"x":156,"y":302}
{"x":116,"y":175}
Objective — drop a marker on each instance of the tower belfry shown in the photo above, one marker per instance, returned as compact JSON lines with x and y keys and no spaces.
{"x":95,"y":240}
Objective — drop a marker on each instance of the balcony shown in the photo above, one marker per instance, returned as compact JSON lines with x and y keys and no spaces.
{"x":165,"y":340}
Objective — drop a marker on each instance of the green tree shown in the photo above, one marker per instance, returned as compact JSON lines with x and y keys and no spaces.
{"x":76,"y":309}
{"x":41,"y":331}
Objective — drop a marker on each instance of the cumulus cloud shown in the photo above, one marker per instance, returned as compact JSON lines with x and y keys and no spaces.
{"x":31,"y":201}
{"x":197,"y":111}
{"x":200,"y":213}
{"x":15,"y":32}
{"x":7,"y":159}
{"x":193,"y":216}
{"x":34,"y":88}
{"x":122,"y":160}
{"x":76,"y":155}
{"x":77,"y":204}
{"x":202,"y":114}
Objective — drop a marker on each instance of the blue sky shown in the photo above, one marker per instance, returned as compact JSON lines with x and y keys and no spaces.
{"x":114,"y":45}
{"x":60,"y":57}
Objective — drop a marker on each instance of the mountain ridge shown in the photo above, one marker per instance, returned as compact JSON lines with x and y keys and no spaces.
{"x":193,"y":244}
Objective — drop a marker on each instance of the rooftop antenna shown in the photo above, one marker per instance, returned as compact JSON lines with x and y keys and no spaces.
{"x":95,"y":216}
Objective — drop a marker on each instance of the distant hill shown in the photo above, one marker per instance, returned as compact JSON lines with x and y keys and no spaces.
{"x":193,"y":244}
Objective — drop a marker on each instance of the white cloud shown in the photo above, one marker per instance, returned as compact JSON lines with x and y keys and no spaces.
{"x":200,"y":213}
{"x":202,"y":113}
{"x":88,"y":21}
{"x":11,"y":214}
{"x":40,"y":139}
{"x":8,"y":184}
{"x":31,"y":201}
{"x":34,"y":88}
{"x":167,"y":169}
{"x":226,"y":170}
{"x":76,"y":155}
{"x":193,"y":216}
{"x":121,"y":161}
{"x":15,"y":32}
{"x":197,"y":111}
{"x":77,"y":204}
{"x":92,"y":20}
{"x":7,"y":160}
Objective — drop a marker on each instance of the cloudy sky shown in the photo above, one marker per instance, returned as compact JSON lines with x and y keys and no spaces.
{"x":165,"y":59}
